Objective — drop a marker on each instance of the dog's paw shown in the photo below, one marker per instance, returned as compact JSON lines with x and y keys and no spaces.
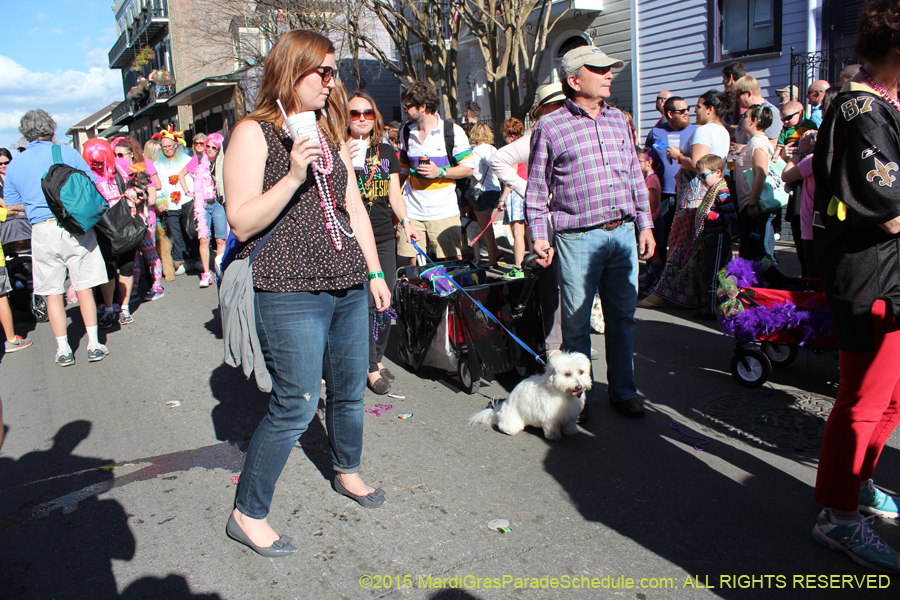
{"x":552,"y":434}
{"x":169,"y":278}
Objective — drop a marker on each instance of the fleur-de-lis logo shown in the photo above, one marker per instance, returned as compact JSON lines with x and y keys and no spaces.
{"x":884,"y":172}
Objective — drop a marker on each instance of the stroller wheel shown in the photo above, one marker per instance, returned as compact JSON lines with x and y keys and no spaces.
{"x":469,"y":374}
{"x":750,"y":367}
{"x":780,"y":355}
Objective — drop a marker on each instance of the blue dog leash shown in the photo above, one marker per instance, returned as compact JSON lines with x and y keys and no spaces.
{"x":478,"y":304}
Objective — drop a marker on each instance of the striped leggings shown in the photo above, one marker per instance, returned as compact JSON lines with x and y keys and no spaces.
{"x":148,"y":250}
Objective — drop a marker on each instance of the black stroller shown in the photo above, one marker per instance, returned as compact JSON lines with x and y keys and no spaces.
{"x":446,"y":330}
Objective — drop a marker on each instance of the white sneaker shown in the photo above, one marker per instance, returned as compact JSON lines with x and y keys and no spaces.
{"x":180,"y":270}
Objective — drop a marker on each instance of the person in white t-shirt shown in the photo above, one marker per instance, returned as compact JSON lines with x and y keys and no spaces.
{"x":430,"y":190}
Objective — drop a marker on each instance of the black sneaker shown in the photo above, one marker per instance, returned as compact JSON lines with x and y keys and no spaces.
{"x":106,"y":320}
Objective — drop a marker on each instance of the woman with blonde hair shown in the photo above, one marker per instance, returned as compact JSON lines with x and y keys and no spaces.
{"x":484,"y":190}
{"x":295,"y":201}
{"x":378,"y":178}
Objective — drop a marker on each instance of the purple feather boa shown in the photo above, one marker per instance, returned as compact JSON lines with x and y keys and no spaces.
{"x":745,"y":273}
{"x":755,"y":322}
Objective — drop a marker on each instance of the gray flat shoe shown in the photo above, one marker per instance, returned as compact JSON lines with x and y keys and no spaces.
{"x":388,"y":376}
{"x":373,"y":500}
{"x":280,"y":547}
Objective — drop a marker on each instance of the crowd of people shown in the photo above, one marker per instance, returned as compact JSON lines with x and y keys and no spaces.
{"x":324,"y":217}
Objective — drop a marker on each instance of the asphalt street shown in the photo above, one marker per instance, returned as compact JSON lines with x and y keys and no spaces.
{"x":116,"y":479}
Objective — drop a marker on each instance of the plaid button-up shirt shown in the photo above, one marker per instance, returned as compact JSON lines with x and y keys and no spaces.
{"x":588,"y":168}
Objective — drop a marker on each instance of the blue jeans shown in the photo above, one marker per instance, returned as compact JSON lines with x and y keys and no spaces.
{"x":306,"y":336}
{"x":215,"y":221}
{"x":605,"y":260}
{"x":173,"y":224}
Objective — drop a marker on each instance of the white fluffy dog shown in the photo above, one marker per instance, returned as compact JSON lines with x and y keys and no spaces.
{"x":551,"y":401}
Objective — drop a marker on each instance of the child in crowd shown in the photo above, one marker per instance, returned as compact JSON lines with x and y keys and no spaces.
{"x":716,"y":220}
{"x":13,"y":342}
{"x":795,"y":124}
{"x":651,"y":180}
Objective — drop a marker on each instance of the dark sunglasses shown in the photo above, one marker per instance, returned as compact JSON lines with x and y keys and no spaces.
{"x":3,"y":164}
{"x":326,"y":73}
{"x":122,"y":154}
{"x":407,"y":106}
{"x":790,"y":116}
{"x":680,"y":111}
{"x":198,"y":143}
{"x":212,"y":147}
{"x":368,"y":114}
{"x":598,"y":70}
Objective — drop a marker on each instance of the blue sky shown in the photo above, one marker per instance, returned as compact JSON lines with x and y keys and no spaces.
{"x":54,"y":56}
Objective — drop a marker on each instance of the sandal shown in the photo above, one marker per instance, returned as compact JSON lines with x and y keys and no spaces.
{"x":646,"y":303}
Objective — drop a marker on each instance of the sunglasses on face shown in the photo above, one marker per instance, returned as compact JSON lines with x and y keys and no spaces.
{"x":597,"y":70}
{"x":790,"y":116}
{"x":326,"y":73}
{"x":407,"y":106}
{"x":212,"y":147}
{"x":680,"y":111}
{"x":3,"y":164}
{"x":368,"y":114}
{"x":707,"y":173}
{"x":122,"y":154}
{"x":198,"y":143}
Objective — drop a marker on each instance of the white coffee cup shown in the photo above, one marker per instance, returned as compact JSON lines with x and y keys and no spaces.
{"x":303,"y":124}
{"x":359,"y":161}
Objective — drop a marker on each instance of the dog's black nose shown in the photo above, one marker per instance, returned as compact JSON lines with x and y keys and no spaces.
{"x":579,"y":388}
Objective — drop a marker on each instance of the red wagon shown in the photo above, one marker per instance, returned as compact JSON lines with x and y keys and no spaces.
{"x":773,"y":324}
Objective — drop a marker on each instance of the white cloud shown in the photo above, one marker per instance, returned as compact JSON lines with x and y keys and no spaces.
{"x":69,"y":95}
{"x":56,"y":31}
{"x":41,"y":17}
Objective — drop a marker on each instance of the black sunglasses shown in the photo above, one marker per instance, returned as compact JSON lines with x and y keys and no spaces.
{"x":3,"y":164}
{"x":407,"y":106}
{"x":680,"y":111}
{"x":790,"y":116}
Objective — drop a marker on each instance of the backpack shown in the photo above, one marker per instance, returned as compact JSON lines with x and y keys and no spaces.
{"x":72,"y":197}
{"x":448,"y":139}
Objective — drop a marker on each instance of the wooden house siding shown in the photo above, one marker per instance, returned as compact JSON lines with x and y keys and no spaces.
{"x":672,"y":43}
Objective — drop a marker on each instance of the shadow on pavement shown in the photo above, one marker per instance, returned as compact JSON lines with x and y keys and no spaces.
{"x":241,"y":408}
{"x":241,"y":405}
{"x":718,"y":512}
{"x":57,"y":538}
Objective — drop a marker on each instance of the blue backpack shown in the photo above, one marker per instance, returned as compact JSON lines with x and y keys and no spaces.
{"x":72,"y":197}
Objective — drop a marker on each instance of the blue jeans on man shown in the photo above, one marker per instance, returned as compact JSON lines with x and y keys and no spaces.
{"x":173,"y":224}
{"x":306,"y":336}
{"x":588,"y":260}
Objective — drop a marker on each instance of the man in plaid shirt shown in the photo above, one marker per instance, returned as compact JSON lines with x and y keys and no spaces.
{"x":583,"y":159}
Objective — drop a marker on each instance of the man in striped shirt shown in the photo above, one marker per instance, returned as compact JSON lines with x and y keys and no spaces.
{"x":583,"y":159}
